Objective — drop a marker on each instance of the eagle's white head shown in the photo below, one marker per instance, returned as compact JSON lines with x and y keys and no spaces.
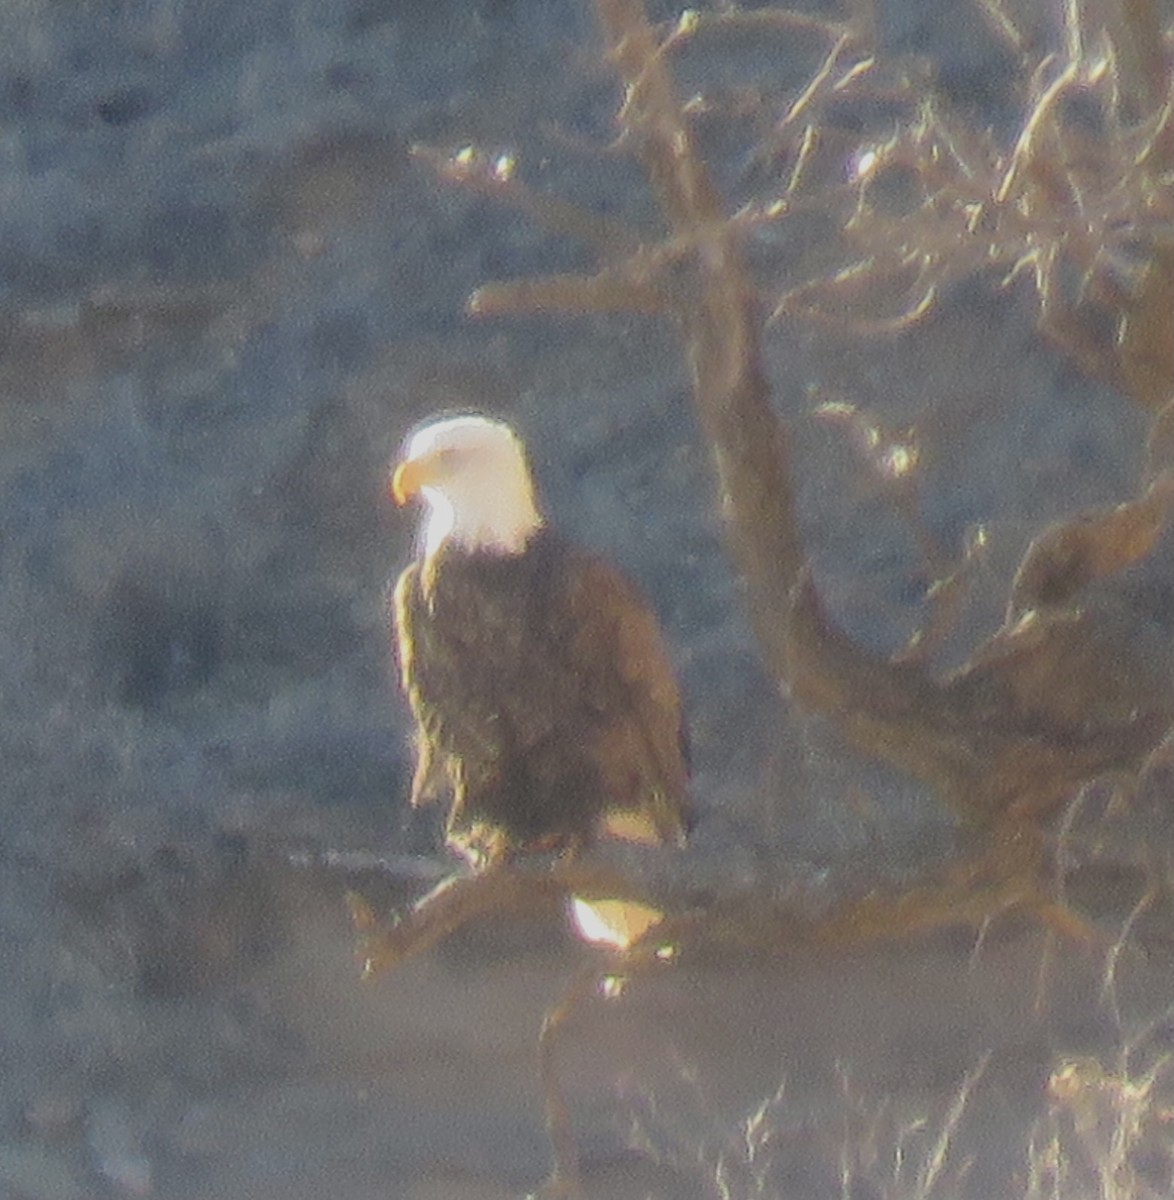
{"x":473,"y":475}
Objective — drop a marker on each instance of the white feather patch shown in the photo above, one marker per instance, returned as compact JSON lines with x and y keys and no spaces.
{"x":616,"y":923}
{"x":630,"y":825}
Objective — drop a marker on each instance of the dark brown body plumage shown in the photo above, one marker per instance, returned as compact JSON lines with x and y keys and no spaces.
{"x":547,"y":710}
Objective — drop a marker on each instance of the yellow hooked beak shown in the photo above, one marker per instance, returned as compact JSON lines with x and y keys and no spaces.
{"x":408,"y":479}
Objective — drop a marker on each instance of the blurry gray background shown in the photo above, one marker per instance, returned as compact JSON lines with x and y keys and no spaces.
{"x":226,"y":292}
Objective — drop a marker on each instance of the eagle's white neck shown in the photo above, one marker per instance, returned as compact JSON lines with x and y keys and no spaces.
{"x":500,"y":520}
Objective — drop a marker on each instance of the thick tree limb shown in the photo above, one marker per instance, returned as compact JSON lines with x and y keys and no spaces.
{"x":460,"y":899}
{"x":1046,"y":704}
{"x":717,"y":304}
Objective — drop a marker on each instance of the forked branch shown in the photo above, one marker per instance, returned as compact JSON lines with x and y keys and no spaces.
{"x":1062,"y":693}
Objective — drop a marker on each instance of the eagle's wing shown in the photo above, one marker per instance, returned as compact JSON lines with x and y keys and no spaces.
{"x":430,"y":779}
{"x":462,"y":674}
{"x":618,"y":648}
{"x":568,"y":657}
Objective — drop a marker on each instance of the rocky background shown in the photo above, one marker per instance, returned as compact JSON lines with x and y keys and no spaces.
{"x":226,"y":292}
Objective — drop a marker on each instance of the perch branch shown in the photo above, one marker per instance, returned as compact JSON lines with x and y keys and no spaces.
{"x":460,"y":899}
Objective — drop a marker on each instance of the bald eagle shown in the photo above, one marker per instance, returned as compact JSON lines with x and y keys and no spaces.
{"x":547,"y":711}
